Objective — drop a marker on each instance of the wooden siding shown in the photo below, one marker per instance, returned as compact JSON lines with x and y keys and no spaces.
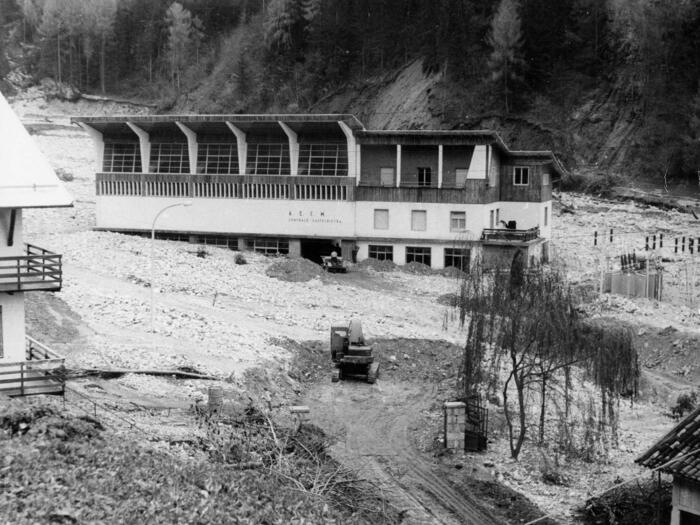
{"x":532,"y":192}
{"x":475,"y":192}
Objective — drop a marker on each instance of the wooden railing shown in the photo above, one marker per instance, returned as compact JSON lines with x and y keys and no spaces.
{"x":300,"y":187}
{"x":510,"y":235}
{"x":39,"y":269}
{"x":41,"y":373}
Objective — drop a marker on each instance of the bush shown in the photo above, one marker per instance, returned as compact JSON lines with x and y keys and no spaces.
{"x":630,"y":505}
{"x":686,"y":403}
{"x":240,"y":259}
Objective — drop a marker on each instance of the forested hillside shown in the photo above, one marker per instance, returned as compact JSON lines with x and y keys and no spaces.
{"x":611,"y":85}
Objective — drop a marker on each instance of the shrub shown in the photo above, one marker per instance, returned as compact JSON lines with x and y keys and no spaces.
{"x":686,"y":403}
{"x":240,"y":259}
{"x":643,"y":502}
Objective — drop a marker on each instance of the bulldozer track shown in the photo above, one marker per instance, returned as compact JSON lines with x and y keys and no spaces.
{"x":374,"y":424}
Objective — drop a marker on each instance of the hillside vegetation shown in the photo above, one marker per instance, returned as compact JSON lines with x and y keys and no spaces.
{"x":610,"y":85}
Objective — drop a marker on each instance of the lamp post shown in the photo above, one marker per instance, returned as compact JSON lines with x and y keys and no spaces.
{"x":150,"y":265}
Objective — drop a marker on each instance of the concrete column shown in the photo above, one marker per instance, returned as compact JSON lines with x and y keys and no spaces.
{"x":353,"y":164}
{"x":99,"y":143}
{"x":440,"y":166}
{"x":293,"y":148}
{"x":242,"y":147}
{"x":295,"y":247}
{"x":242,"y":246}
{"x":398,"y":165}
{"x":455,"y":421}
{"x":192,"y":146}
{"x":145,"y":146}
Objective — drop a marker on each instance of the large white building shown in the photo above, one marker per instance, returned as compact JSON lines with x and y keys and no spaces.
{"x":300,"y":184}
{"x":26,"y":181}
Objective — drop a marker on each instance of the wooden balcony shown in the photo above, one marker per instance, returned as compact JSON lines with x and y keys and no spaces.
{"x":38,"y":269}
{"x":507,"y":235}
{"x":473,"y":192}
{"x":43,"y":372}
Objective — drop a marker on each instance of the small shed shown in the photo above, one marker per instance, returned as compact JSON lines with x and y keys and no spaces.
{"x":678,"y":454}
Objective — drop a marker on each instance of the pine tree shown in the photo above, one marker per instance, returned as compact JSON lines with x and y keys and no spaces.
{"x":184,"y":31}
{"x":506,"y":41}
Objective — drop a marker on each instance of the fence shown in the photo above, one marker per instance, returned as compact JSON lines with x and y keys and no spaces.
{"x":634,"y":284}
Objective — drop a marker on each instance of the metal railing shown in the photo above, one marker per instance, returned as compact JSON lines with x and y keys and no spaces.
{"x":505,"y":234}
{"x":43,"y":372}
{"x":38,"y":269}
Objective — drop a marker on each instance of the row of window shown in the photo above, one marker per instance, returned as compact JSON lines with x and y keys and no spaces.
{"x":222,"y":158}
{"x":457,"y":257}
{"x":419,"y":220}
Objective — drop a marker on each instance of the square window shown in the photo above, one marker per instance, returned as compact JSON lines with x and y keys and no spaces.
{"x":461,"y":177}
{"x":418,"y":254}
{"x":386,"y":176}
{"x":521,"y":176}
{"x":458,"y":221}
{"x":458,"y":258}
{"x":419,"y":220}
{"x":381,"y":252}
{"x":546,"y":215}
{"x":424,"y":175}
{"x":381,"y":219}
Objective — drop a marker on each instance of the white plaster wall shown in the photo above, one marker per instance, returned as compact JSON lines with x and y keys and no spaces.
{"x":477,"y":166}
{"x":249,"y":216}
{"x":12,"y":326}
{"x":437,"y":220}
{"x":526,"y":214}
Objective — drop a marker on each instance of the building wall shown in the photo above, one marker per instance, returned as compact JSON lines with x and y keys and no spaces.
{"x":12,"y":305}
{"x":437,"y":250}
{"x":437,"y":220}
{"x":686,"y":498}
{"x":373,"y":159}
{"x":332,"y":219}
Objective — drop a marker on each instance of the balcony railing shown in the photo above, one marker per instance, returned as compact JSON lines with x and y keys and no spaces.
{"x":43,"y":372}
{"x":39,"y":269}
{"x":473,"y":192}
{"x":301,"y":187}
{"x":510,"y":235}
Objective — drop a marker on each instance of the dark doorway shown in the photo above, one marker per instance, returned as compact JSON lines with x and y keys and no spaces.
{"x":314,"y":249}
{"x":689,"y":519}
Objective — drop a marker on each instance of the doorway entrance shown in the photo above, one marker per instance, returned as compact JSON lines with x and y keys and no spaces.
{"x":314,"y":249}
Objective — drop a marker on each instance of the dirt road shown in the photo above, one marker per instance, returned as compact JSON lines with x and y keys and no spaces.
{"x":373,"y":424}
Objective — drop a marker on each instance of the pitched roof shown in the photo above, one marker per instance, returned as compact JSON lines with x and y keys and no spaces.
{"x":683,"y":440}
{"x":26,"y":177}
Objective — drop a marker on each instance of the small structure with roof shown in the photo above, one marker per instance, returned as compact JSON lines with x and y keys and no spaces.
{"x":26,"y":181}
{"x":678,"y":454}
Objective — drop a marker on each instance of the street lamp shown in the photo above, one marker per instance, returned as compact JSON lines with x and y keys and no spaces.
{"x":150,"y":264}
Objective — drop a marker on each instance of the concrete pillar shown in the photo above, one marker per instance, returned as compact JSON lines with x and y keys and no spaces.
{"x":455,"y":421}
{"x":353,"y":158}
{"x":440,"y":166}
{"x":99,"y":143}
{"x":192,"y":146}
{"x":242,"y":147}
{"x":242,"y":245}
{"x":398,"y":165}
{"x":295,"y":247}
{"x":293,"y":148}
{"x":145,"y":146}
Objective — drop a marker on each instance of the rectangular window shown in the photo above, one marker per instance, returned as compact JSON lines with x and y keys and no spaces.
{"x":418,"y":254}
{"x":458,"y":221}
{"x":424,"y":176}
{"x":419,"y":220}
{"x":381,"y":219}
{"x":521,"y":176}
{"x":386,"y":176}
{"x":461,"y":177}
{"x":498,"y":215}
{"x":381,"y":252}
{"x":327,"y":159}
{"x":217,"y":158}
{"x":169,"y":157}
{"x":268,"y":246}
{"x":492,"y":224}
{"x":546,"y":179}
{"x":122,"y":157}
{"x":546,"y":215}
{"x":268,"y":159}
{"x":458,"y":258}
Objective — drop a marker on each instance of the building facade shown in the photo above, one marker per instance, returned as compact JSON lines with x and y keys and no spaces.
{"x":26,"y":181}
{"x":303,"y":184}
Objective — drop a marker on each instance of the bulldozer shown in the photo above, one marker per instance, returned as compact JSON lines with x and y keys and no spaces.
{"x":351,"y":355}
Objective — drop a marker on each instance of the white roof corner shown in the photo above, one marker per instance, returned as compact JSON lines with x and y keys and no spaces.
{"x":27,"y":180}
